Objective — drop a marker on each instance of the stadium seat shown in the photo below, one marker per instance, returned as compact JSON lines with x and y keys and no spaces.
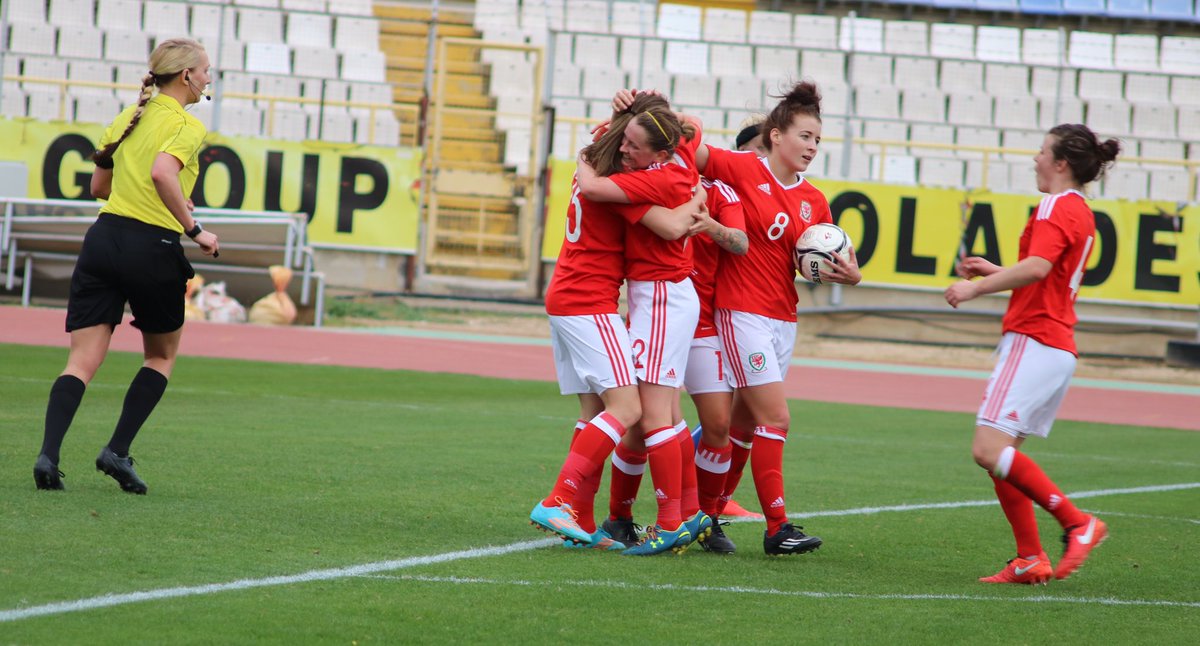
{"x":76,"y":12}
{"x":288,"y":125}
{"x":502,"y":13}
{"x":601,"y":83}
{"x":325,"y":92}
{"x":633,"y":18}
{"x":1110,"y":117}
{"x":1021,"y":177}
{"x":351,"y":7}
{"x":1129,"y":9}
{"x":37,"y":67}
{"x":1180,"y":55}
{"x":739,"y":93}
{"x":241,"y":120}
{"x":996,"y":5}
{"x":1090,"y":49}
{"x":513,"y":111}
{"x":725,"y":25}
{"x":268,"y":58}
{"x":835,"y":98}
{"x":260,"y":26}
{"x":1001,"y":79}
{"x":859,"y":167}
{"x":877,"y":101}
{"x":269,"y":4}
{"x":770,"y":28}
{"x":870,"y":69}
{"x":32,"y":38}
{"x":332,"y":126}
{"x":894,"y":169}
{"x":1185,"y":90}
{"x":207,"y":21}
{"x":80,"y":41}
{"x":639,"y":53}
{"x":516,"y":150}
{"x":126,"y":46}
{"x":1021,"y":140}
{"x":1160,"y":149}
{"x":731,"y":60}
{"x":1094,"y":84}
{"x":1084,"y":7}
{"x":814,"y":32}
{"x":828,"y":67}
{"x":130,"y":74}
{"x":1041,"y":7}
{"x":595,"y":50}
{"x":1188,"y":126}
{"x":1170,"y":184}
{"x":93,"y":71}
{"x":233,"y":83}
{"x":309,"y":30}
{"x":14,"y":103}
{"x":165,"y":18}
{"x":858,"y":34}
{"x":313,"y":6}
{"x":1042,"y":47}
{"x":119,"y":14}
{"x":973,"y":108}
{"x":1063,"y":110}
{"x":26,"y":11}
{"x":651,"y":79}
{"x":686,"y":58}
{"x":961,"y":76}
{"x":942,"y":172}
{"x":511,"y":78}
{"x":585,"y":16}
{"x":352,"y":34}
{"x":679,"y":22}
{"x":370,"y":93}
{"x":565,"y":79}
{"x":537,"y":15}
{"x":998,"y":44}
{"x":880,"y":130}
{"x":930,"y":133}
{"x":1154,"y":119}
{"x":952,"y":41}
{"x":364,"y":66}
{"x":1015,"y":111}
{"x":691,"y":89}
{"x":1171,"y":10}
{"x":909,"y":37}
{"x":315,"y":61}
{"x":46,"y":103}
{"x":922,"y":104}
{"x":972,"y":136}
{"x":601,"y":108}
{"x":1050,"y":83}
{"x":1126,"y":184}
{"x":1136,"y":52}
{"x":915,"y":72}
{"x":280,"y":87}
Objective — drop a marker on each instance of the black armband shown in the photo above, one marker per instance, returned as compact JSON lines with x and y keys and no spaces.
{"x":103,"y":162}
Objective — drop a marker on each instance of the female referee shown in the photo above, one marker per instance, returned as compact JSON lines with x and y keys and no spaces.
{"x":146,"y":167}
{"x":1036,"y":357}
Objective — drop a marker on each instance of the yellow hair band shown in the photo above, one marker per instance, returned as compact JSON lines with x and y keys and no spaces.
{"x":660,"y":128}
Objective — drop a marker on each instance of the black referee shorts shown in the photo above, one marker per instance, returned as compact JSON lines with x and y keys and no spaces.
{"x":128,"y":261}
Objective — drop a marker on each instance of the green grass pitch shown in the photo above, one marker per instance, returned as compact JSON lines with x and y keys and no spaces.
{"x":269,"y":470}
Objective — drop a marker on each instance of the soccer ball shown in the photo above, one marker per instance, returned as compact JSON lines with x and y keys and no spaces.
{"x":815,"y":248}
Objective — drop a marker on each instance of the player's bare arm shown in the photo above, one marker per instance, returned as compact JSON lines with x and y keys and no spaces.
{"x":673,"y":224}
{"x":975,"y":266}
{"x":1026,"y":272}
{"x":595,"y":187}
{"x":730,"y":239}
{"x":843,"y":270}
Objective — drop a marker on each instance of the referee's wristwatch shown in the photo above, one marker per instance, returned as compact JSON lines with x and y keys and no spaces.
{"x":194,"y":231}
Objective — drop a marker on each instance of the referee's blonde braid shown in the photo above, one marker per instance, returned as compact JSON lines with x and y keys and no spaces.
{"x":169,"y":59}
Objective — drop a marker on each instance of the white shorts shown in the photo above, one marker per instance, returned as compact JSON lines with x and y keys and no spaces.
{"x":591,"y":353}
{"x":706,"y":367}
{"x":758,"y":349}
{"x":662,"y":320}
{"x":1026,"y":387}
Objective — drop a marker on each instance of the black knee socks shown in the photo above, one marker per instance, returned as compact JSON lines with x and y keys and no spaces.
{"x":65,"y":395}
{"x":141,"y":398}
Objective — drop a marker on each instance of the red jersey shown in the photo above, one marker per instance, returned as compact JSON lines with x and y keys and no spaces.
{"x":724,"y":207}
{"x":591,"y":262}
{"x":763,"y":281}
{"x":648,"y":256}
{"x":1062,"y":231}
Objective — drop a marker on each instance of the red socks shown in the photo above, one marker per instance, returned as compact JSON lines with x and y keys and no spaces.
{"x":663,"y":449}
{"x":1018,"y":470}
{"x":627,"y":470}
{"x":1018,"y":509}
{"x":588,"y":451}
{"x":689,"y":500}
{"x":766,"y":464}
{"x":712,"y":465}
{"x":741,"y":441}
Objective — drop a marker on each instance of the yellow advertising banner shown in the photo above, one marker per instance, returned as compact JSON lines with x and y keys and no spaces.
{"x":357,"y":197}
{"x":1146,"y":252}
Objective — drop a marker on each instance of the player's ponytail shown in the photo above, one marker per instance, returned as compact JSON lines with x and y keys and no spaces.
{"x":169,"y":60}
{"x":803,"y":98}
{"x":653,"y":113}
{"x":1085,"y":154}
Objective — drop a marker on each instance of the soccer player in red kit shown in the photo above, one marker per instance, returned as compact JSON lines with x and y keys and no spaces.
{"x":1037,"y":355}
{"x":756,"y":296}
{"x":592,"y":352}
{"x":663,"y":308}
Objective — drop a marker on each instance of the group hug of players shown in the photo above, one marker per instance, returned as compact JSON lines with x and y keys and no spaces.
{"x":703,"y":240}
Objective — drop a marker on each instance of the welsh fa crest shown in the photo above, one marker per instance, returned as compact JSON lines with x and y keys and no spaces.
{"x":758,"y":362}
{"x":805,"y":211}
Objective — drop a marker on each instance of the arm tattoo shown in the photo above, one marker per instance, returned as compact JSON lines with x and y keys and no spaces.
{"x":731,"y":240}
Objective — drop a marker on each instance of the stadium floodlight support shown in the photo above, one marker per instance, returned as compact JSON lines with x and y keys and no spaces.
{"x":3,"y":45}
{"x":423,"y":118}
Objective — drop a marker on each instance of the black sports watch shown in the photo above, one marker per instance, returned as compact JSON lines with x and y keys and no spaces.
{"x":194,"y":231}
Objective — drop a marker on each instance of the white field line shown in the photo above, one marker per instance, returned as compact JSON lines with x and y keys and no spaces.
{"x":810,"y":594}
{"x":1174,"y":519}
{"x":104,"y":601}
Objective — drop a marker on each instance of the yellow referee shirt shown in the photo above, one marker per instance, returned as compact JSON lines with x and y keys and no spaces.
{"x":165,"y":127}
